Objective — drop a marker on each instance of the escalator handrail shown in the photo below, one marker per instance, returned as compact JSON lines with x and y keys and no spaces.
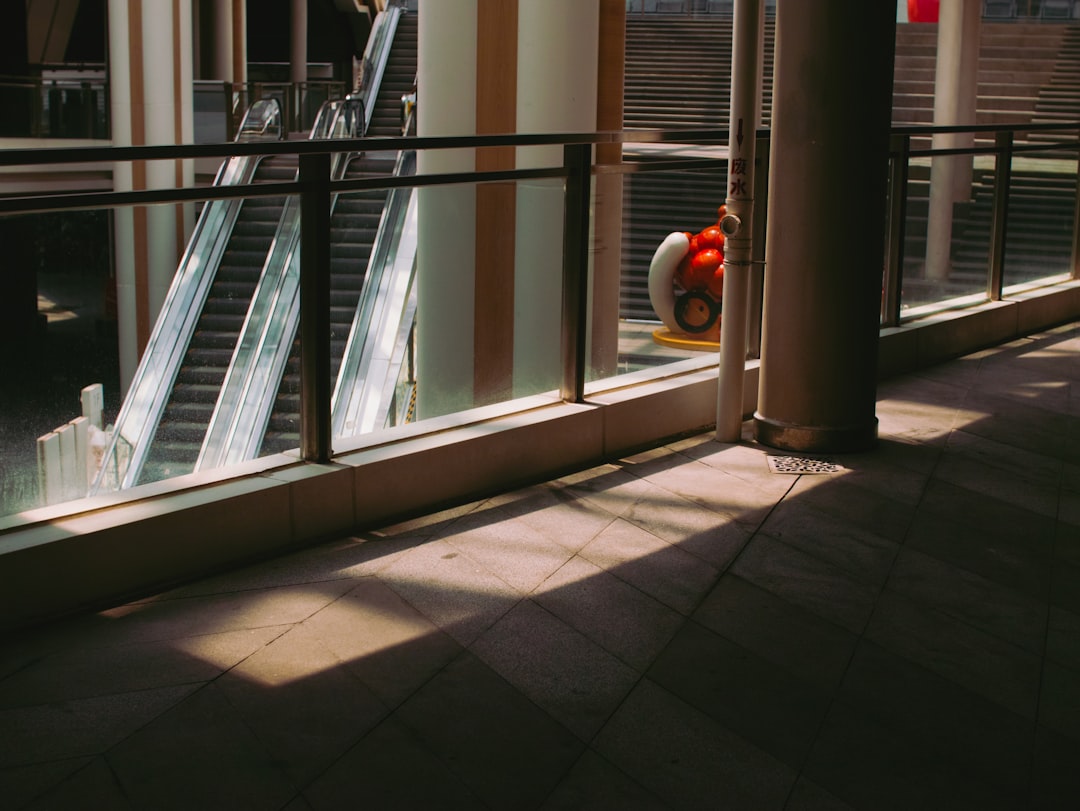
{"x":148,"y":394}
{"x":246,"y":398}
{"x":375,"y":348}
{"x":376,"y":56}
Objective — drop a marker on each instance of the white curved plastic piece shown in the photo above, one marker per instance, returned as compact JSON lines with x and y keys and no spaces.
{"x":662,"y":269}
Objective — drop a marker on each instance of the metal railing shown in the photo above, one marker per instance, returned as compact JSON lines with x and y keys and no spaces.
{"x":316,"y":189}
{"x":76,"y":108}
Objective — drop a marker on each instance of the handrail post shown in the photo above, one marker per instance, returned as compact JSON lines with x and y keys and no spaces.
{"x":315,"y":392}
{"x":577,"y":159}
{"x":1003,"y":144}
{"x":896,"y":230}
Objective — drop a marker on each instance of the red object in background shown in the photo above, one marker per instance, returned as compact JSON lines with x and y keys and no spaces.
{"x":922,"y":11}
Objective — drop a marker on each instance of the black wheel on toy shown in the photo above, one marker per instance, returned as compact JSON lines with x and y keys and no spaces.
{"x":696,"y":312}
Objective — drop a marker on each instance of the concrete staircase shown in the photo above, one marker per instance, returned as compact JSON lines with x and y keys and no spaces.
{"x":677,"y":76}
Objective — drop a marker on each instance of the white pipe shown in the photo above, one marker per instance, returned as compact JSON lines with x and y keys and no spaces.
{"x":737,"y":223}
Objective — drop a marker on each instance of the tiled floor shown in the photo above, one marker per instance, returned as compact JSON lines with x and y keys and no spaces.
{"x":681,"y":629}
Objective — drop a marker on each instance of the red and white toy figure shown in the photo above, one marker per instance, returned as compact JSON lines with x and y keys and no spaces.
{"x":686,"y":283}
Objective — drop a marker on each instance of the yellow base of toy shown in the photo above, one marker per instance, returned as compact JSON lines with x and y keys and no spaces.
{"x":680,"y":340}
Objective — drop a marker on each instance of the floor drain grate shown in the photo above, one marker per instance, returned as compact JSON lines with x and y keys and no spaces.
{"x":797,"y":464}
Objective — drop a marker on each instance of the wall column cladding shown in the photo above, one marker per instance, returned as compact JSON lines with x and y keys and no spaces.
{"x":446,"y":247}
{"x":558,"y":46}
{"x":150,"y":46}
{"x":490,"y":256}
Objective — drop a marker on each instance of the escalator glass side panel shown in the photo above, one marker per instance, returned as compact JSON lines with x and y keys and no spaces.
{"x":187,"y":414}
{"x":365,"y":382}
{"x":141,"y":411}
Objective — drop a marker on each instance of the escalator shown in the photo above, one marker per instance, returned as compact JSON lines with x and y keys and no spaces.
{"x":182,"y":428}
{"x":354,"y":227}
{"x":354,"y":224}
{"x":219,"y":381}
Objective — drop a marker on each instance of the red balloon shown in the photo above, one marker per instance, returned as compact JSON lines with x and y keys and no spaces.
{"x":716,"y":283}
{"x":711,"y":237}
{"x":703,"y":266}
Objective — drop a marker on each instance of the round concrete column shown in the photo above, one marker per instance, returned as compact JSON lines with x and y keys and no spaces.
{"x":832,"y":105}
{"x":150,"y":76}
{"x":955,"y":97}
{"x":446,"y":245}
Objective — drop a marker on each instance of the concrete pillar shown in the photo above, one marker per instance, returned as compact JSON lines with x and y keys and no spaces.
{"x":222,"y":62}
{"x":955,"y":99}
{"x":150,"y":47}
{"x":446,"y":247}
{"x":832,"y":105}
{"x":298,"y":41}
{"x":556,"y":92}
{"x":239,"y":45}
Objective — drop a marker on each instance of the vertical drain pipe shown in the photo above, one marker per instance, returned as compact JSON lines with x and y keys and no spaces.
{"x":737,"y":224}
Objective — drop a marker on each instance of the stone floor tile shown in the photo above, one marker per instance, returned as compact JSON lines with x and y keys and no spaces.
{"x":1015,"y":461}
{"x":839,"y":495}
{"x":665,"y":572}
{"x":303,"y":704}
{"x":1065,"y":586}
{"x":1016,"y":424}
{"x":382,"y":640}
{"x":809,"y":796}
{"x":555,"y":513}
{"x":200,"y":754}
{"x":1055,"y":780}
{"x":872,"y":767}
{"x":218,"y":613}
{"x":608,"y":488}
{"x":102,"y":671}
{"x":746,"y":461}
{"x":754,"y":698}
{"x":687,"y":759}
{"x":971,"y":599}
{"x":621,"y":619}
{"x":860,"y":553}
{"x":1063,"y":638}
{"x":21,"y":785}
{"x":595,"y":785}
{"x":508,"y":751}
{"x":312,"y":565}
{"x":507,"y":547}
{"x":391,"y":769}
{"x":806,"y":581}
{"x":941,"y":718}
{"x":562,"y":671}
{"x":79,"y":727}
{"x":1059,"y":700}
{"x":995,"y":476}
{"x":450,"y":589}
{"x":714,"y":538}
{"x":715,"y":490}
{"x":811,"y":648}
{"x":298,"y":803}
{"x":93,"y":786}
{"x":1007,"y":544}
{"x":974,"y":659}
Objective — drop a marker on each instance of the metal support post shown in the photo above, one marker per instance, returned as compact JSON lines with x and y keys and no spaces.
{"x":315,"y":390}
{"x":575,"y":293}
{"x":738,"y":223}
{"x":999,"y":221}
{"x":895,"y":229}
